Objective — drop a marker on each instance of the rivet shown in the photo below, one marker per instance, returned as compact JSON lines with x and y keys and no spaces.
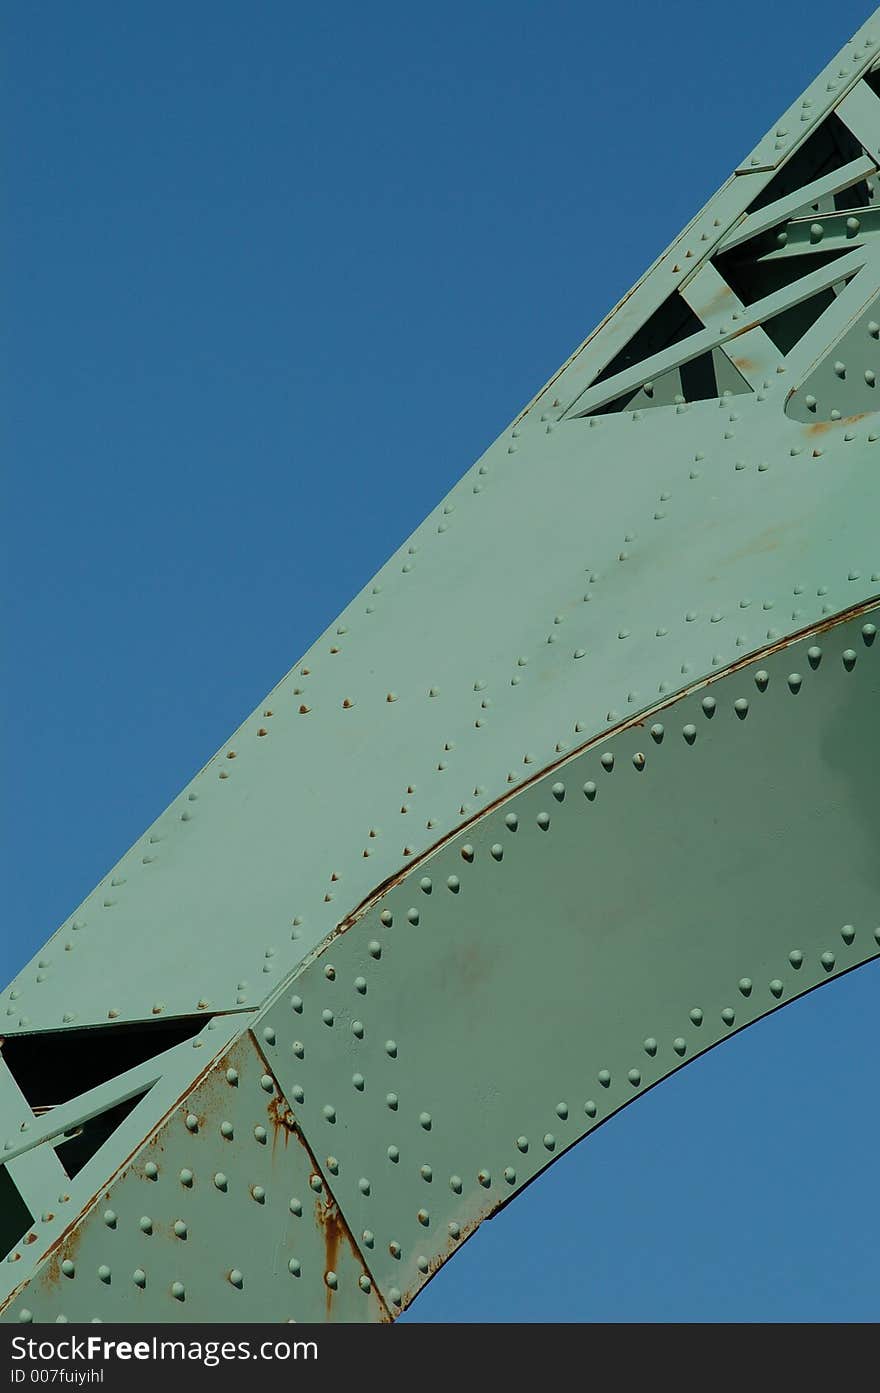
{"x":315,"y":1183}
{"x":847,"y":933}
{"x":151,"y":1170}
{"x":689,"y":732}
{"x":332,"y":1165}
{"x":393,"y":1154}
{"x":395,"y":1296}
{"x":110,"y":1218}
{"x":827,"y":960}
{"x":68,"y":1268}
{"x":634,"y":1077}
{"x":762,"y":680}
{"x":331,"y":1279}
{"x":522,"y":1144}
{"x":364,"y":1282}
{"x":220,"y":1181}
{"x":104,"y":1273}
{"x":796,"y":957}
{"x":426,"y":1173}
{"x":696,"y":1016}
{"x":374,"y":949}
{"x":192,"y":1122}
{"x":543,"y":820}
{"x":180,"y":1228}
{"x":679,"y":1044}
{"x":258,"y":1193}
{"x":391,"y":1048}
{"x":795,"y":681}
{"x":267,"y":1083}
{"x":425,"y":1120}
{"x":607,"y":760}
{"x":562,"y":1110}
{"x":728,"y":1015}
{"x":745,"y":986}
{"x":776,"y":987}
{"x":358,"y":1081}
{"x":327,"y":1017}
{"x":392,"y":1100}
{"x":260,"y":1133}
{"x":604,"y":1078}
{"x":232,"y":1076}
{"x":650,"y":1046}
{"x":294,"y":1267}
{"x":139,"y":1277}
{"x":708,"y":705}
{"x":296,"y":1003}
{"x":549,"y":1142}
{"x":849,"y":658}
{"x":423,"y":1217}
{"x":329,"y":1112}
{"x":455,"y":1184}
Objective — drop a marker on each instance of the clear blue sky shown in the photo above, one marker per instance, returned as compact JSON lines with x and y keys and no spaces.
{"x":279,"y":272}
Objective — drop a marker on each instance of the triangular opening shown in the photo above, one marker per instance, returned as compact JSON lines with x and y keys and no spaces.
{"x":830,"y":147}
{"x":751,"y":279}
{"x":78,"y":1147}
{"x":15,"y":1217}
{"x":672,"y":322}
{"x":787,"y":328}
{"x":704,"y":378}
{"x":53,"y":1066}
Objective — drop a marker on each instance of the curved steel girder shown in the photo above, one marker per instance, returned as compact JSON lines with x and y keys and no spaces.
{"x":622,"y":914}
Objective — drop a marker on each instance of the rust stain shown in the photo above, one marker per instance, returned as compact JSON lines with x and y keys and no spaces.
{"x":745,"y":364}
{"x":717,"y":304}
{"x":820,"y":427}
{"x":327,"y":1218}
{"x":281,"y":1119}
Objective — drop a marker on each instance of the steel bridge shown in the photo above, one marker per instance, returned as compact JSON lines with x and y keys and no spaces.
{"x":581,"y":784}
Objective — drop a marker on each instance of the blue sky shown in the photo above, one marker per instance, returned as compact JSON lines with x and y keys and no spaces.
{"x":279,"y":273}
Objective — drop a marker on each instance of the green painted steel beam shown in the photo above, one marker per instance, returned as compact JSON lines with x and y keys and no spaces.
{"x":578,"y":786}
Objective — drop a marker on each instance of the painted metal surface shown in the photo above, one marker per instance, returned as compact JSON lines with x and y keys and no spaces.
{"x":428,"y":904}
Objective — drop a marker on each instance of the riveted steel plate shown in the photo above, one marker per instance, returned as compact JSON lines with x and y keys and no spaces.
{"x":580,"y":568}
{"x":611,"y":921}
{"x":487,"y":900}
{"x":220,"y":1216}
{"x":663,"y":555}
